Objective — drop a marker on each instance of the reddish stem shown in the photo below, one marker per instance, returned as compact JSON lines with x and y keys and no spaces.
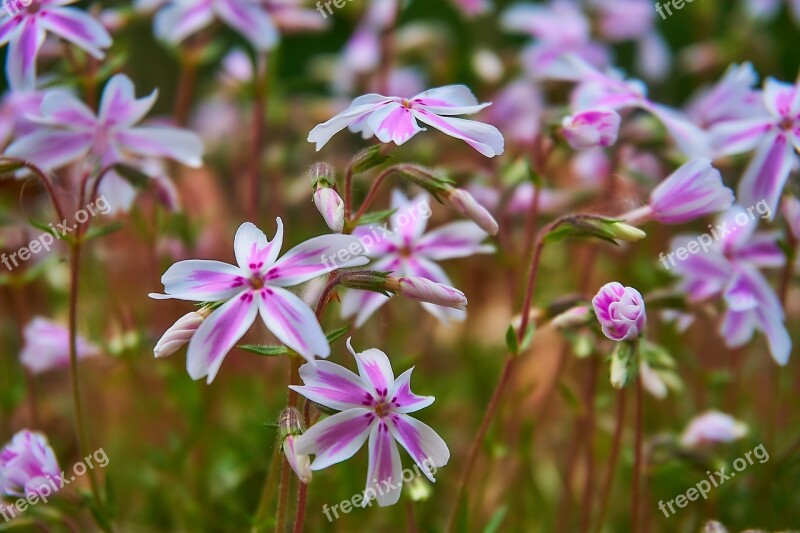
{"x":612,"y":461}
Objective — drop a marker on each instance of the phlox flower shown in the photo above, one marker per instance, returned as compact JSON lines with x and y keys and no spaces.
{"x":712,"y":427}
{"x":256,"y":286}
{"x":693,"y":191}
{"x":394,"y":119}
{"x":472,"y":8}
{"x":47,"y":346}
{"x":375,"y":406}
{"x":25,"y":33}
{"x":730,"y":270}
{"x":620,"y":311}
{"x":768,"y":9}
{"x":27,"y":465}
{"x":406,"y":250}
{"x":775,"y":137}
{"x":70,"y":131}
{"x":591,"y":128}
{"x":733,"y":97}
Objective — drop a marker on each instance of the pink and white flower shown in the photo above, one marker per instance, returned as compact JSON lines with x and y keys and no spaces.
{"x":732,"y":98}
{"x":28,"y":465}
{"x":71,"y":131}
{"x":256,"y":286}
{"x":693,"y":191}
{"x":25,"y":33}
{"x":775,"y":136}
{"x":591,"y":128}
{"x":375,"y":406}
{"x":406,"y":250}
{"x":620,"y":311}
{"x":712,"y":427}
{"x":331,"y":207}
{"x":394,"y":119}
{"x":47,"y":346}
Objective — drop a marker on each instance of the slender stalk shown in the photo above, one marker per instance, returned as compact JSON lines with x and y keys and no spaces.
{"x":283,"y":493}
{"x":373,"y":192}
{"x":612,"y":461}
{"x":348,"y":192}
{"x":637,"y":461}
{"x":300,"y":516}
{"x":589,"y":400}
{"x":266,"y":494}
{"x":256,"y":150}
{"x":48,"y":184}
{"x":186,"y":83}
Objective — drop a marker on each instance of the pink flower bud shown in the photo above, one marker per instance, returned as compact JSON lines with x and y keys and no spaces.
{"x":588,"y":129}
{"x":620,"y":311}
{"x":425,"y":290}
{"x":466,"y":205}
{"x":712,"y":427}
{"x":301,"y":464}
{"x":47,"y":346}
{"x":331,"y":207}
{"x":693,"y":191}
{"x":28,"y":465}
{"x":179,"y":334}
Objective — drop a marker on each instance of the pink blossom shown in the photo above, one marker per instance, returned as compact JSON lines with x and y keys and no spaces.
{"x":300,"y":463}
{"x":425,"y":290}
{"x":693,"y":191}
{"x":712,"y":427}
{"x":47,"y":346}
{"x":28,"y":465}
{"x":394,"y":119}
{"x":774,"y":135}
{"x":620,"y":311}
{"x":331,"y":207}
{"x":255,"y":286}
{"x":731,"y":98}
{"x":591,"y":128}
{"x":473,"y":8}
{"x":25,"y":33}
{"x":406,"y":250}
{"x":466,"y":205}
{"x":71,"y":131}
{"x":374,"y":406}
{"x":518,"y":110}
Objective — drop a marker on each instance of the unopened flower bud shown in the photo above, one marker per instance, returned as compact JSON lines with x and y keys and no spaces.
{"x":592,"y":128}
{"x":465,"y":204}
{"x":180,"y":333}
{"x":573,"y":318}
{"x":322,"y":175}
{"x":425,"y":290}
{"x":619,"y":369}
{"x":626,"y":232}
{"x":301,"y":464}
{"x":620,"y":311}
{"x":331,"y":207}
{"x":290,"y":423}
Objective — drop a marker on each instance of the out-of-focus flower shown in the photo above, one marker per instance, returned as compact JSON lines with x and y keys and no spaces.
{"x":15,"y":108}
{"x":71,"y":131}
{"x":466,"y":205}
{"x":487,"y":65}
{"x":652,"y":382}
{"x":331,"y":207}
{"x":394,"y":119}
{"x":179,"y":19}
{"x":729,"y":269}
{"x":768,"y":9}
{"x":473,"y":8}
{"x":693,"y":191}
{"x":731,"y":98}
{"x":255,"y":286}
{"x":28,"y":465}
{"x":591,"y":128}
{"x":791,"y":210}
{"x":180,"y":333}
{"x":375,"y":406}
{"x":25,"y":33}
{"x":620,"y":311}
{"x":773,"y":135}
{"x":712,"y":427}
{"x":406,"y":250}
{"x":47,"y":346}
{"x":292,"y":16}
{"x":712,"y":526}
{"x":425,"y":290}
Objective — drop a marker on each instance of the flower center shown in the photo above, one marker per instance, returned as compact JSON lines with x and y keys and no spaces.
{"x":257,"y":282}
{"x":383,"y":408}
{"x":786,"y":124}
{"x":406,"y":103}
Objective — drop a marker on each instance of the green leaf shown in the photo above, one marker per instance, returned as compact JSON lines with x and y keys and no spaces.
{"x":368,"y":159}
{"x":133,"y":175}
{"x":267,"y":351}
{"x":527,"y":339}
{"x":102,"y":231}
{"x":337,"y":334}
{"x":47,"y":228}
{"x":8,"y":166}
{"x":511,"y":340}
{"x":377,"y":217}
{"x":496,"y":521}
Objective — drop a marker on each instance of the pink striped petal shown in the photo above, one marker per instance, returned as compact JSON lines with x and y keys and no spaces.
{"x":691,"y":139}
{"x":119,"y":105}
{"x":333,"y":386}
{"x":202,"y":281}
{"x":50,"y":149}
{"x":22,"y":50}
{"x":457,"y":239}
{"x":403,"y":399}
{"x":293,"y":322}
{"x":767,"y":173}
{"x":393,"y":123}
{"x":780,"y":343}
{"x":181,"y":145}
{"x":315,"y":257}
{"x":62,"y":108}
{"x":737,"y":328}
{"x":7,"y":27}
{"x":218,"y":334}
{"x":360,"y":108}
{"x":781,"y":99}
{"x":362,"y":304}
{"x":384,"y":475}
{"x":251,"y":20}
{"x":178,"y":20}
{"x":762,"y":250}
{"x":411,"y":218}
{"x":739,"y":136}
{"x":77,"y":27}
{"x":424,"y":445}
{"x":448,"y":100}
{"x":336,"y":438}
{"x":254,"y":253}
{"x":482,"y":137}
{"x":375,"y":369}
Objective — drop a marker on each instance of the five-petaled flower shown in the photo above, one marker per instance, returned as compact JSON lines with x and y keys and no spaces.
{"x":256,"y":285}
{"x":25,"y":32}
{"x":407,"y":251}
{"x":373,"y":405}
{"x":394,"y":119}
{"x":28,"y":465}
